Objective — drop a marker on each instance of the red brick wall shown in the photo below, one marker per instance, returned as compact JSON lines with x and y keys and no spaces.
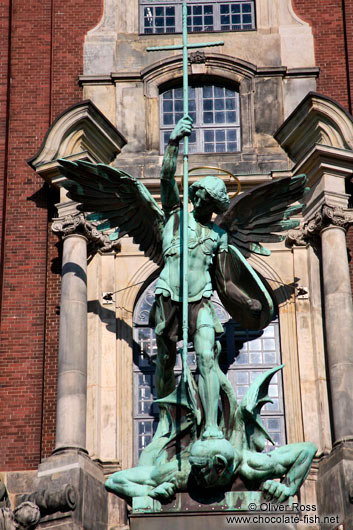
{"x":46,"y":56}
{"x":328,"y":24}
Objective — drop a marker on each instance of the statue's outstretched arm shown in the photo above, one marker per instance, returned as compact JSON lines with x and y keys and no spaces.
{"x":169,"y":188}
{"x":134,"y":482}
{"x":291,"y":461}
{"x":158,"y":482}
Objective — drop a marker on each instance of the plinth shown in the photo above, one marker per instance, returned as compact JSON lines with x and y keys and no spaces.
{"x":242,"y":510}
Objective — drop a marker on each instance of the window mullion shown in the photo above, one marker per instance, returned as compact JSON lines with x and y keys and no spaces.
{"x":216,"y":17}
{"x":178,"y":18}
{"x":199,"y":139}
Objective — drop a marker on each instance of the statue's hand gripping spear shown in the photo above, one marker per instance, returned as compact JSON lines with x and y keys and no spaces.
{"x":184,"y":228}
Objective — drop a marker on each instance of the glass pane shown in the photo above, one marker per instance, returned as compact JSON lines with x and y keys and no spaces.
{"x":255,"y":358}
{"x":219,"y":117}
{"x":273,"y":391}
{"x":219,"y":92}
{"x":209,"y":136}
{"x":273,"y":424}
{"x":255,"y":344}
{"x":219,"y":104}
{"x":232,"y":148}
{"x":209,"y":148}
{"x":242,"y":378}
{"x":208,"y":117}
{"x":167,"y":106}
{"x":220,"y":148}
{"x":230,"y":117}
{"x":230,"y":103}
{"x":269,"y":344}
{"x":235,"y":8}
{"x":167,"y":119}
{"x":270,"y":357}
{"x":220,"y":135}
{"x":179,"y":105}
{"x":231,"y":135}
{"x":207,"y":104}
{"x":242,"y":358}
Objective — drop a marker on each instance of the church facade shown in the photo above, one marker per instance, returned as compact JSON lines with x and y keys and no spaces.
{"x":77,"y":352}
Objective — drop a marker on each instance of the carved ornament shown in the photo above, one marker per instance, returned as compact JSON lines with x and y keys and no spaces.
{"x":310,"y":231}
{"x":197,"y":57}
{"x":78,"y":224}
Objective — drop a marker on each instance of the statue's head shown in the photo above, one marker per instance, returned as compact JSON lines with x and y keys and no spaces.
{"x":213,"y":462}
{"x":209,"y":194}
{"x":26,"y":516}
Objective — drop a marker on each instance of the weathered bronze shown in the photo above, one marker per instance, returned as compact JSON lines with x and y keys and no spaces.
{"x":194,"y":448}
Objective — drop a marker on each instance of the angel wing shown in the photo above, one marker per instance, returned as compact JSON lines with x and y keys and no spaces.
{"x":259,"y":213}
{"x":118,"y":201}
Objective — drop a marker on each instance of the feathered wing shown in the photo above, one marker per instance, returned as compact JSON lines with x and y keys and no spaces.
{"x":257,"y":215}
{"x":118,"y":201}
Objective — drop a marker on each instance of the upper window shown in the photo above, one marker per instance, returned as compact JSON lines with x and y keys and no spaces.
{"x":215,"y":112}
{"x":216,"y":15}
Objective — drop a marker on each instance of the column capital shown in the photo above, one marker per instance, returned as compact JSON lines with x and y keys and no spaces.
{"x":309,"y":233}
{"x":78,"y":224}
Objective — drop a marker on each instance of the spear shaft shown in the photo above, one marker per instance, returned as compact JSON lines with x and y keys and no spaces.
{"x":184,"y":234}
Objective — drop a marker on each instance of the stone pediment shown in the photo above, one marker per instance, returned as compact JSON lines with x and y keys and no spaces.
{"x":80,"y":132}
{"x":316,"y":120}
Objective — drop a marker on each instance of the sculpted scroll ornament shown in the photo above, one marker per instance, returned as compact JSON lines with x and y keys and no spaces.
{"x":71,"y":224}
{"x":310,"y":231}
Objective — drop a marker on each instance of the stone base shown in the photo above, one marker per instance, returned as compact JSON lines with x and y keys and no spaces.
{"x":335,"y":486}
{"x":185,"y":513}
{"x":68,"y":467}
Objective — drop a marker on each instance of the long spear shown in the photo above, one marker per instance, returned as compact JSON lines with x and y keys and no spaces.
{"x":184,"y":232}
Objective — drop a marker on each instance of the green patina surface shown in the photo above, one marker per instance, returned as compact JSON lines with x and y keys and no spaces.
{"x":196,"y":448}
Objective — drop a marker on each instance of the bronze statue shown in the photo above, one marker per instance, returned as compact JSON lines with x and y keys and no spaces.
{"x":209,"y":451}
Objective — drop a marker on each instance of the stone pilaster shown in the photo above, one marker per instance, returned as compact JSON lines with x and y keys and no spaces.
{"x":327,"y":231}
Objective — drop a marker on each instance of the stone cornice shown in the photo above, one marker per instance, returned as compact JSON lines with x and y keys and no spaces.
{"x":78,"y":224}
{"x":309,"y":232}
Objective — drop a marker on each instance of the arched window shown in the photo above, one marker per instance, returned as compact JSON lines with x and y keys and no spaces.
{"x":164,"y":16}
{"x":215,"y":112}
{"x":244,"y":356}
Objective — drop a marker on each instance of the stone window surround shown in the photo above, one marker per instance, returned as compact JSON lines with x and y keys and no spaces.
{"x":215,"y":68}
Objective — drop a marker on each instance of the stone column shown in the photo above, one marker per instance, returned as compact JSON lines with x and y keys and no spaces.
{"x":72,"y":364}
{"x":72,"y":367}
{"x":327,"y":229}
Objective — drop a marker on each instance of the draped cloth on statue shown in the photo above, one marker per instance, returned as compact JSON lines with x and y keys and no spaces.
{"x":231,"y":271}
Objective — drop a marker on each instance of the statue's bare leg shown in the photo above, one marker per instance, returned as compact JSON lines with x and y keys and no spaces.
{"x":204,"y":342}
{"x":164,"y":375}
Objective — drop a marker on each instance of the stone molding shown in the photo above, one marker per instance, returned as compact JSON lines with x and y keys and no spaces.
{"x":309,"y":232}
{"x":80,"y":132}
{"x":316,"y":120}
{"x":78,"y":224}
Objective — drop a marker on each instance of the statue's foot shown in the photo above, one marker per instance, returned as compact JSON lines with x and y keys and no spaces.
{"x":212,"y":432}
